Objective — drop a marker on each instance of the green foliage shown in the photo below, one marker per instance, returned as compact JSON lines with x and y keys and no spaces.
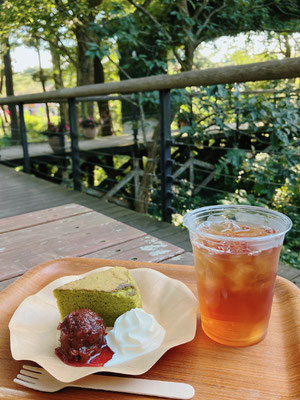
{"x":24,"y":82}
{"x":252,"y":141}
{"x":99,"y":175}
{"x":36,"y":124}
{"x":230,"y":164}
{"x":5,"y":141}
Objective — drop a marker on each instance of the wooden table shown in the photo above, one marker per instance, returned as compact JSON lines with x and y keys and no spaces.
{"x":215,"y":371}
{"x":72,"y":231}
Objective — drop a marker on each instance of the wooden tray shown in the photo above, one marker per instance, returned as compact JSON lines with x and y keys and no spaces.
{"x":268,"y":370}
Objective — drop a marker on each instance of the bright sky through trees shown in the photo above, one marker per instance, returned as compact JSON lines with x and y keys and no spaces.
{"x":26,"y":57}
{"x":217,"y":52}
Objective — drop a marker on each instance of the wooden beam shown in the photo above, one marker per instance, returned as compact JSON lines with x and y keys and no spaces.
{"x":269,"y":70}
{"x":119,"y":185}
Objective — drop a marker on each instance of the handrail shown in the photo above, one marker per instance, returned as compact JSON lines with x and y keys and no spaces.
{"x":268,"y":70}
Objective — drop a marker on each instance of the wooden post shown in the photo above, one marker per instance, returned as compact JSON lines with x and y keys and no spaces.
{"x":24,"y":139}
{"x":74,"y":145}
{"x":136,"y":178}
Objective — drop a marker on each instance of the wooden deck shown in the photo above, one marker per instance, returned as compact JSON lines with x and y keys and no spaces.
{"x":44,"y":149}
{"x":21,"y":193}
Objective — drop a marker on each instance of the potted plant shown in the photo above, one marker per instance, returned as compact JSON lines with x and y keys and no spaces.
{"x":184,"y":118}
{"x":90,"y":128}
{"x":56,"y":136}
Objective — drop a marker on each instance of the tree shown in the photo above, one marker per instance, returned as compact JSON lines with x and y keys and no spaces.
{"x":58,"y":78}
{"x":8,"y":73}
{"x":88,"y":71}
{"x":58,"y":23}
{"x":33,"y":23}
{"x":184,"y":24}
{"x":151,"y":32}
{"x":40,"y":76}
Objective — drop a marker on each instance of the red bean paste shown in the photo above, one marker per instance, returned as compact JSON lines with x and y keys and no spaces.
{"x":82,"y":339}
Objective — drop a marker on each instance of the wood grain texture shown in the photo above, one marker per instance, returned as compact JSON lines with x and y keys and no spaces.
{"x":269,"y":370}
{"x":41,"y":217}
{"x":101,"y":143}
{"x":71,"y":231}
{"x":275,"y":69}
{"x":186,"y":258}
{"x":33,"y":194}
{"x":74,"y":236}
{"x":146,"y":248}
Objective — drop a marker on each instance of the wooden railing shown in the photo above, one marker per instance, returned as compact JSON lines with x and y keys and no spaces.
{"x":270,"y":70}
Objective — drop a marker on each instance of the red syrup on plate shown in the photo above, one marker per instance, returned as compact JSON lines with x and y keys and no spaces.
{"x":97,"y":360}
{"x":82,"y":340}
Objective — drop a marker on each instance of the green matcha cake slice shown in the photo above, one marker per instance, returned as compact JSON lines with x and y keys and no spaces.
{"x":110,"y":293}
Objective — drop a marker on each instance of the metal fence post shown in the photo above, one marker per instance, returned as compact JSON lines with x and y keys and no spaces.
{"x":74,"y":145}
{"x":165,"y":155}
{"x":134,"y":127}
{"x":24,"y":138}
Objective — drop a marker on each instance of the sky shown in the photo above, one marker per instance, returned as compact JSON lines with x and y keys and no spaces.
{"x":25,"y":57}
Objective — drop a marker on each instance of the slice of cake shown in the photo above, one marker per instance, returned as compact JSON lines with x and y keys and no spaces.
{"x":109,"y":293}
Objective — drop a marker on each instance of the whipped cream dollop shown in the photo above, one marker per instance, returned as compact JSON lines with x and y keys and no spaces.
{"x":134,"y":333}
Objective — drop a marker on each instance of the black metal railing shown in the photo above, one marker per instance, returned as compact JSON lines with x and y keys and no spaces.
{"x":288,"y":68}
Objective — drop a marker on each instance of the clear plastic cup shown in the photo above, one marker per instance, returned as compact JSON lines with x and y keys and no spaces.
{"x":236,"y":253}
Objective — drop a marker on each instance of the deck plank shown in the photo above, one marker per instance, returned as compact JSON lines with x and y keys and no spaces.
{"x":63,"y":232}
{"x":22,"y":193}
{"x":43,"y":240}
{"x":146,"y":248}
{"x":34,"y":218}
{"x":92,"y":145}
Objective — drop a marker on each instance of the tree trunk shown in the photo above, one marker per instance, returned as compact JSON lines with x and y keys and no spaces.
{"x":1,"y":76}
{"x":103,"y":106}
{"x":83,"y":34}
{"x":43,"y":80}
{"x":287,"y":47}
{"x":188,"y":56}
{"x":15,"y":133}
{"x":142,"y":202}
{"x":58,"y":80}
{"x":85,"y":70}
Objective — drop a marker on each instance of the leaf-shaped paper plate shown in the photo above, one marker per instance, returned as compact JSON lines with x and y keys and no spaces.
{"x":34,"y":335}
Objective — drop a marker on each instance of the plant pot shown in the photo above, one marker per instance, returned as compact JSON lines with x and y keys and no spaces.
{"x":90,"y":133}
{"x":55,"y":144}
{"x":184,"y":123}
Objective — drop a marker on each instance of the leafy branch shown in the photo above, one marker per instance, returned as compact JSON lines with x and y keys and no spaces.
{"x":159,"y":25}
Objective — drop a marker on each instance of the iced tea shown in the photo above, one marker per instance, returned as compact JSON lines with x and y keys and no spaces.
{"x":236,"y":265}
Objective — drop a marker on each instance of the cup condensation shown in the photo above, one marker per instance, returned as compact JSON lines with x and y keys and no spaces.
{"x":236,"y":254}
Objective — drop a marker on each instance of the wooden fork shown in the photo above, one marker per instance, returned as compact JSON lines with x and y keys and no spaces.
{"x":39,"y":379}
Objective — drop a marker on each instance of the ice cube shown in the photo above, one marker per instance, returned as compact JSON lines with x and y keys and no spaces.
{"x":231,"y":227}
{"x":228,"y":228}
{"x":249,"y":218}
{"x":240,"y":276}
{"x":217,"y":218}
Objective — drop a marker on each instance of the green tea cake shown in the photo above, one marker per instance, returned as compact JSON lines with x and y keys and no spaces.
{"x":110,"y":293}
